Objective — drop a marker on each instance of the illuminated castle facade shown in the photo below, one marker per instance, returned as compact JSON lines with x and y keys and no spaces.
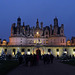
{"x":38,"y":40}
{"x":26,"y":35}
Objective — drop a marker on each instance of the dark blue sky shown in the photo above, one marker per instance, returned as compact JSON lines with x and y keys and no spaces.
{"x":30,"y":10}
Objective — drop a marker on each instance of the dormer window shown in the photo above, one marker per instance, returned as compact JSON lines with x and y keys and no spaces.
{"x":46,"y":33}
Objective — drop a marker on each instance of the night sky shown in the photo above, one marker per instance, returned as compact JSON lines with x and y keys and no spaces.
{"x":30,"y":10}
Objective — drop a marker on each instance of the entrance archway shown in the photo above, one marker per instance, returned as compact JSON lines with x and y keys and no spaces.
{"x":38,"y":52}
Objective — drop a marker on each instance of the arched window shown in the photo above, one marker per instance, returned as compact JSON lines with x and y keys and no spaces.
{"x":14,"y":51}
{"x":73,"y":50}
{"x":57,"y":50}
{"x":5,"y":51}
{"x":65,"y":49}
{"x":22,"y":50}
{"x":49,"y":50}
{"x":28,"y":50}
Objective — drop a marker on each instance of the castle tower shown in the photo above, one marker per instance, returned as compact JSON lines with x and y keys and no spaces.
{"x":37,"y":24}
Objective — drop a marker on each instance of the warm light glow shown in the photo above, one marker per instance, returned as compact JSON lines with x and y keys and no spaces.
{"x":37,"y":41}
{"x":48,"y":53}
{"x":74,"y":53}
{"x":22,"y":53}
{"x":28,"y":53}
{"x":65,"y":52}
{"x":34,"y":41}
{"x":46,"y":41}
{"x":12,"y":53}
{"x":57,"y":53}
{"x":40,"y":41}
{"x":37,"y":32}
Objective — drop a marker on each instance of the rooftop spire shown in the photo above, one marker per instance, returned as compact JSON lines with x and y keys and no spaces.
{"x":37,"y":24}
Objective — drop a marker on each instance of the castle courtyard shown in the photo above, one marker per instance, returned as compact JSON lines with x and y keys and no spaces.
{"x":56,"y":68}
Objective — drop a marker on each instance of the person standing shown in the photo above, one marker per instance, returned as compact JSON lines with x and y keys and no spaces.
{"x":51,"y":58}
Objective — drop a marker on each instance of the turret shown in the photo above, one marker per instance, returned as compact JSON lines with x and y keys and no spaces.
{"x":62,"y":25}
{"x":19,"y":22}
{"x":62,"y":30}
{"x":23,"y":28}
{"x":23,"y":24}
{"x":68,"y":42}
{"x":0,"y":41}
{"x":4,"y":42}
{"x":50,"y":29}
{"x":42,"y":25}
{"x":33,"y":30}
{"x":13,"y":29}
{"x":28,"y":30}
{"x":37,"y":24}
{"x":55,"y":22}
{"x":55,"y":30}
{"x":55,"y":26}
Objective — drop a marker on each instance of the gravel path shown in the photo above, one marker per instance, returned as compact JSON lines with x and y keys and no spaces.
{"x":44,"y":69}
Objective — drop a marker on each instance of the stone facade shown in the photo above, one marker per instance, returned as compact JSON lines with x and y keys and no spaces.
{"x":26,"y":35}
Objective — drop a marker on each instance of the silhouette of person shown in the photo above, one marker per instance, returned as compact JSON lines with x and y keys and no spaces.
{"x":51,"y":58}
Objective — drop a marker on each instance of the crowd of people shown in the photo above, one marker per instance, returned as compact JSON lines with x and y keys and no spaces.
{"x":31,"y":60}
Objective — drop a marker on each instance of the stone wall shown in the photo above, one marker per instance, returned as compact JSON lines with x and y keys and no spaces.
{"x":44,"y":50}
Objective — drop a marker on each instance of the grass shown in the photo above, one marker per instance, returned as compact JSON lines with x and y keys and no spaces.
{"x":8,"y":65}
{"x":70,"y":62}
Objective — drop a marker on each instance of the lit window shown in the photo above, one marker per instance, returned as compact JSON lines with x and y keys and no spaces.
{"x":74,"y":52}
{"x":34,"y":41}
{"x":40,"y":41}
{"x":46,"y":41}
{"x":5,"y":51}
{"x":37,"y":41}
{"x":14,"y":51}
{"x":28,"y":52}
{"x":37,"y":32}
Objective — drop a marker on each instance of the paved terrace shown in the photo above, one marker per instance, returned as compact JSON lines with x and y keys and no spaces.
{"x":44,"y":69}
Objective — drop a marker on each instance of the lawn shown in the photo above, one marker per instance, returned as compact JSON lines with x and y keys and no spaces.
{"x":8,"y":65}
